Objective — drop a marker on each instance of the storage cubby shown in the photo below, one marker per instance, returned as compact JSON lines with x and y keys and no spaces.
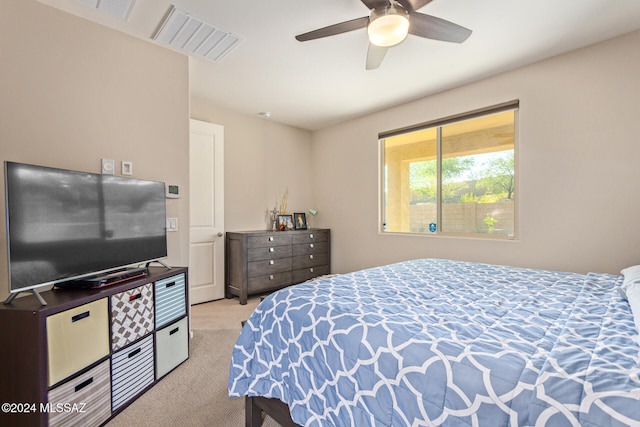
{"x":132,"y":315}
{"x":170,"y":299}
{"x":76,"y":338}
{"x":171,"y":346}
{"x":101,"y":348}
{"x":89,"y":393}
{"x":131,"y":371}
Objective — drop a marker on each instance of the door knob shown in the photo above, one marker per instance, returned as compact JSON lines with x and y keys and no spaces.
{"x":220,"y":234}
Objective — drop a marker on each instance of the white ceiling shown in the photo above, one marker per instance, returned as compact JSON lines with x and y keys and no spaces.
{"x":315,"y":84}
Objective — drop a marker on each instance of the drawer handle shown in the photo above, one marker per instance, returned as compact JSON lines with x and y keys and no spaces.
{"x":83,"y":384}
{"x":311,"y":270}
{"x":271,"y":262}
{"x":134,"y":352}
{"x":135,"y":297}
{"x":271,"y":277}
{"x":311,"y":245}
{"x":168,"y":285}
{"x":80,"y":316}
{"x":271,"y":238}
{"x":173,"y":331}
{"x":271,"y":249}
{"x":310,"y":256}
{"x":311,"y":236}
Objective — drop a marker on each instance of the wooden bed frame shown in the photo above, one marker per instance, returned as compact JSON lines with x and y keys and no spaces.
{"x":276,"y":409}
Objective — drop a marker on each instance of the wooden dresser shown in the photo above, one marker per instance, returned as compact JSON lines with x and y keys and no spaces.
{"x":263,"y":261}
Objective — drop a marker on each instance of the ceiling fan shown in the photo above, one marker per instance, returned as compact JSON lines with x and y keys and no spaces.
{"x":388,"y":25}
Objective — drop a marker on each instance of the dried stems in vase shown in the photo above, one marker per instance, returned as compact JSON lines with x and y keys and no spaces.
{"x":283,"y":203}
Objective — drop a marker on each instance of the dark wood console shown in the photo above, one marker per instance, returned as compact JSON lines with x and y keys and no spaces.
{"x":88,"y":353}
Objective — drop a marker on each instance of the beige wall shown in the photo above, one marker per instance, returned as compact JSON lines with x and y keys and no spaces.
{"x":262,"y":160}
{"x":579,"y":145}
{"x":74,"y":92}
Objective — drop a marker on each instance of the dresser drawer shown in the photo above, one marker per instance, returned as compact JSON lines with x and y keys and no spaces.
{"x":89,"y":393}
{"x":312,"y":260}
{"x":131,"y":371}
{"x":311,"y":236}
{"x":275,"y":239}
{"x":170,"y":299}
{"x":311,"y":248}
{"x":132,"y":315}
{"x":271,"y":266}
{"x":172,"y":346}
{"x":268,"y":252}
{"x":76,"y":338}
{"x":305,"y":274}
{"x":266,"y":283}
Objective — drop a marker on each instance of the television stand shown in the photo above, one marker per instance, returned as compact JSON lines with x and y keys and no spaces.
{"x":111,"y":346}
{"x":33,"y":291}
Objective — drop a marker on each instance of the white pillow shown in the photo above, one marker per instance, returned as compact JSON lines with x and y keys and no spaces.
{"x":630,"y":290}
{"x":631,"y":276}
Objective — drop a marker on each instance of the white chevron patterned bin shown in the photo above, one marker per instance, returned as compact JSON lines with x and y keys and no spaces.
{"x":132,"y":315}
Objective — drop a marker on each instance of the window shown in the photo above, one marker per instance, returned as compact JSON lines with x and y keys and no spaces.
{"x":455,"y":176}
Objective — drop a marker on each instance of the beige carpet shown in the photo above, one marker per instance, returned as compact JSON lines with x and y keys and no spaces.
{"x":195,"y":393}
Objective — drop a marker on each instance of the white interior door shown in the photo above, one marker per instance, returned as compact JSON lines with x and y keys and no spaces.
{"x":206,"y":195}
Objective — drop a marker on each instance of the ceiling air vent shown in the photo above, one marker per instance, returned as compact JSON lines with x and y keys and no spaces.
{"x":118,"y":8}
{"x":194,"y":36}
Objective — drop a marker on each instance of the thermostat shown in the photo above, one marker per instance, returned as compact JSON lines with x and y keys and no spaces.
{"x":173,"y":191}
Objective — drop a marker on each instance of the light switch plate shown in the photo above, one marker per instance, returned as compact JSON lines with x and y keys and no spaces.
{"x":107,"y":166}
{"x":127,"y":168}
{"x":172,"y":224}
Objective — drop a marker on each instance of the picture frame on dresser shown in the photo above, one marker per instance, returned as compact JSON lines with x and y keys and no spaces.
{"x":285,"y":222}
{"x":300,"y":220}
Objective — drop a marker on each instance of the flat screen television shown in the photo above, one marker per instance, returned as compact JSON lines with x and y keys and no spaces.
{"x":64,"y":225}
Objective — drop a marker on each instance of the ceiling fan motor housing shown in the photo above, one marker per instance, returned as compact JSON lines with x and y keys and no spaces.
{"x":388,"y":26}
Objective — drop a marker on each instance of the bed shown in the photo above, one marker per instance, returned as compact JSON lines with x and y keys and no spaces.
{"x":444,"y":343}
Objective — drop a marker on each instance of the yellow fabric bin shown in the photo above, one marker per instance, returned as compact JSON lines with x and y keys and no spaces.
{"x":76,"y":338}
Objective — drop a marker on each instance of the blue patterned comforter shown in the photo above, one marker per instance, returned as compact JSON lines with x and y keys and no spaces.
{"x":439,"y":342}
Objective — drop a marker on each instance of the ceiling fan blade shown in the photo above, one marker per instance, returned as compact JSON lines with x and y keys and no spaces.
{"x":375,"y":4}
{"x":332,"y":30}
{"x":413,"y":5}
{"x":437,"y":28}
{"x":375,"y":55}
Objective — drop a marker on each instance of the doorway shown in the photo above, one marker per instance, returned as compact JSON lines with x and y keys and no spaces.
{"x":206,"y":207}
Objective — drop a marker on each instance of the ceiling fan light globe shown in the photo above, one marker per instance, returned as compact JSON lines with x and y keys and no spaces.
{"x":388,"y":27}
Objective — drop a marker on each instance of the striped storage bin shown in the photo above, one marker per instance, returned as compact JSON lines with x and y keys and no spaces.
{"x":131,"y":371}
{"x":83,"y":401}
{"x":171,"y":300}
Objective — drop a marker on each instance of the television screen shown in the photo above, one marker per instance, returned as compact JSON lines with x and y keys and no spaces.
{"x":63,"y":224}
